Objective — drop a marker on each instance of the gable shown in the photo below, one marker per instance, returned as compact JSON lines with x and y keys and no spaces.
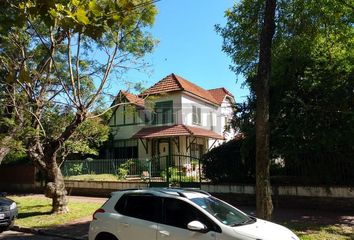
{"x":173,"y":83}
{"x":220,"y":94}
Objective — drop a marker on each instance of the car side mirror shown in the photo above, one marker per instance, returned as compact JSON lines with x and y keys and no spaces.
{"x":197,"y":226}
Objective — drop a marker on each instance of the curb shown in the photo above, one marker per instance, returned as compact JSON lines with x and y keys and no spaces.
{"x":44,"y":232}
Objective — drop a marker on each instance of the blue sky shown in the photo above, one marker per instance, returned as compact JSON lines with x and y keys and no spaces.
{"x":190,"y":47}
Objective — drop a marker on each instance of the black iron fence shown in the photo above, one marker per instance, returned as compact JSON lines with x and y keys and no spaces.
{"x":173,"y":169}
{"x":311,"y":169}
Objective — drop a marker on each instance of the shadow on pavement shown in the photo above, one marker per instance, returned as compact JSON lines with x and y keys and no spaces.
{"x":77,"y":230}
{"x":12,"y":235}
{"x":309,"y":220}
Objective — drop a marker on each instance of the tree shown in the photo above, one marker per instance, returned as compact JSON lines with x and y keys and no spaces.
{"x":50,"y":51}
{"x":87,"y":138}
{"x":311,"y":117}
{"x":255,"y":62}
{"x":263,"y":190}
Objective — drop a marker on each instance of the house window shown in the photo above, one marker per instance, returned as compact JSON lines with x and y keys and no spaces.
{"x":196,"y":150}
{"x":125,"y":149}
{"x":211,"y":117}
{"x":163,"y":113}
{"x":197,"y":115}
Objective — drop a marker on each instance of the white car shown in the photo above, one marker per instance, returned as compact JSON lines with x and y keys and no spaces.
{"x":178,"y":214}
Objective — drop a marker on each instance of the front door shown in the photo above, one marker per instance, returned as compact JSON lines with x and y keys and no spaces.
{"x":163,"y":153}
{"x":163,"y":149}
{"x":177,"y":216}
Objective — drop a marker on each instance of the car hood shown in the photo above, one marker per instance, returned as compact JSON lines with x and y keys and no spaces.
{"x":5,"y":201}
{"x":264,"y":230}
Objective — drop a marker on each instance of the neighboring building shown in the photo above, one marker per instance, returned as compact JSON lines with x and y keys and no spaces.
{"x":173,"y":117}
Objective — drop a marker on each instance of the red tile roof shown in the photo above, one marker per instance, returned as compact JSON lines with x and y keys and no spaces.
{"x":219,"y":94}
{"x":169,"y":83}
{"x":173,"y":82}
{"x":176,"y":130}
{"x":132,"y":98}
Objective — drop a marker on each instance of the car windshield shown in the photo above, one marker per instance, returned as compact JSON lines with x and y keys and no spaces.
{"x":225,"y":213}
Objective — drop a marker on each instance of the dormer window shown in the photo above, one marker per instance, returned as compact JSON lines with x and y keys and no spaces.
{"x":197,"y":115}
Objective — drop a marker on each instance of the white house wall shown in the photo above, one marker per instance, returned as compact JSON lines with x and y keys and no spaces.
{"x":121,"y":131}
{"x":206,"y":110}
{"x":227,"y":112}
{"x":141,"y":150}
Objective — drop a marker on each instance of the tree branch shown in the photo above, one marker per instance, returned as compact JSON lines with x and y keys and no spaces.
{"x":105,"y":77}
{"x":71,"y":68}
{"x":77,"y":69}
{"x":60,"y":39}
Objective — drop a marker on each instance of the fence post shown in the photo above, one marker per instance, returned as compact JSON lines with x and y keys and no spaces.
{"x":150,"y":170}
{"x":167,"y":170}
{"x":115,"y":169}
{"x":179,"y":169}
{"x":200,"y":173}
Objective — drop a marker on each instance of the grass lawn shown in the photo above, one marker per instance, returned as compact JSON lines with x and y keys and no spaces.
{"x":35,"y":212}
{"x":93,"y":177}
{"x":308,"y":231}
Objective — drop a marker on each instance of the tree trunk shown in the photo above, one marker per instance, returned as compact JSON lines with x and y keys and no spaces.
{"x":4,"y":148}
{"x":44,"y":155}
{"x":263,"y":189}
{"x":55,"y":187}
{"x":3,"y":152}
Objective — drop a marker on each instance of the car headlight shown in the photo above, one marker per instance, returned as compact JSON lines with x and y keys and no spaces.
{"x":13,"y":206}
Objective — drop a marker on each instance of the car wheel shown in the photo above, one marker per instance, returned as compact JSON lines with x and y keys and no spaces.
{"x":3,"y":229}
{"x":105,"y":236}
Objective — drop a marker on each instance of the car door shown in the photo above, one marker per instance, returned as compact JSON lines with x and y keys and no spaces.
{"x":138,"y":217}
{"x":176,"y":216}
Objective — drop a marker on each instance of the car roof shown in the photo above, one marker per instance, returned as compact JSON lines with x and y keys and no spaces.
{"x":167,"y":192}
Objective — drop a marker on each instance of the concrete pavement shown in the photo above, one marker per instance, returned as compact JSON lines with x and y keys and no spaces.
{"x":12,"y":235}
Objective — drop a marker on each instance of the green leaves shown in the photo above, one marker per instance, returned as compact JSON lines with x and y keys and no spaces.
{"x":81,"y":17}
{"x":79,"y":34}
{"x":94,"y":8}
{"x":76,"y":3}
{"x":24,"y":76}
{"x":312,"y":83}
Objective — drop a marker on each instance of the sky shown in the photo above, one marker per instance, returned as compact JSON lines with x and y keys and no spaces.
{"x":190,"y":47}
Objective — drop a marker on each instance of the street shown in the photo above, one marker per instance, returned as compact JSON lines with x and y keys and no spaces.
{"x":11,"y":235}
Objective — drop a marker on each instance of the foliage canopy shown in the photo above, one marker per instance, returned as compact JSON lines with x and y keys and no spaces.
{"x":312,"y":82}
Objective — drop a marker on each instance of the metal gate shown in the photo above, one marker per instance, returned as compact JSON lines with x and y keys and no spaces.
{"x":175,"y":171}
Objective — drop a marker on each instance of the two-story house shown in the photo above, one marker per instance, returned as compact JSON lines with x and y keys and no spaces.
{"x":174,"y":117}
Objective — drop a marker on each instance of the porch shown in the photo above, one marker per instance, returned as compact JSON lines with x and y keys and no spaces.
{"x":176,"y":140}
{"x":172,"y":152}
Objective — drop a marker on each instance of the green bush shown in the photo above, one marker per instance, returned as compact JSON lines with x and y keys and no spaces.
{"x":16,"y":158}
{"x":124,"y":169}
{"x":175,"y":175}
{"x":226,"y":164}
{"x":75,"y":169}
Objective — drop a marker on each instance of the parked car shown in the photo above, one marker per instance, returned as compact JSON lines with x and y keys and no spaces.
{"x":8,"y":212}
{"x":178,"y":214}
